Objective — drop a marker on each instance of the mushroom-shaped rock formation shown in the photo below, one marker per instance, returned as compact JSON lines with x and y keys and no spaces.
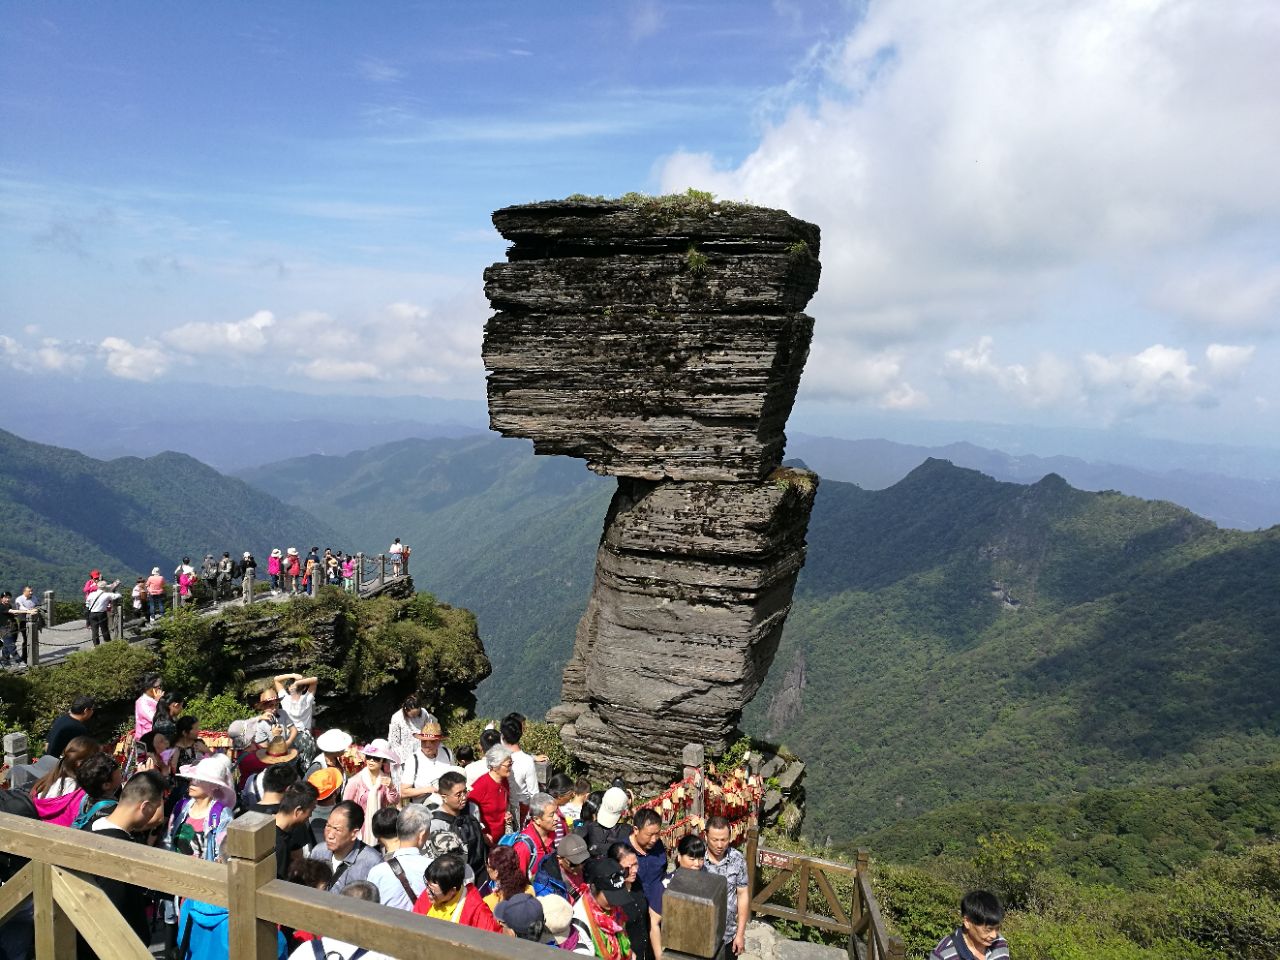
{"x":662,"y":341}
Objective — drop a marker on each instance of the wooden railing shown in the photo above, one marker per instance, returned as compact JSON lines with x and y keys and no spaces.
{"x":862,"y":922}
{"x":65,"y":902}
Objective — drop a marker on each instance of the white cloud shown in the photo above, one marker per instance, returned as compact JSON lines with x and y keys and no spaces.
{"x":969,"y":162}
{"x":241,"y":336}
{"x":1232,"y":295}
{"x":841,"y":369}
{"x":1158,"y":374}
{"x":1049,"y":380}
{"x":1226,"y":362}
{"x":146,"y":361}
{"x":49,"y":355}
{"x":334,"y":368}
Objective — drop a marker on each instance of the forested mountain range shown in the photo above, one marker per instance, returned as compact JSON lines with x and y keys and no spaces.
{"x":62,"y":513}
{"x":1241,"y":502}
{"x":953,"y":636}
{"x":955,"y":639}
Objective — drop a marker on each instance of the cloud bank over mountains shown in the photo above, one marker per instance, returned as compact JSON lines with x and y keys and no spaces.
{"x":976,"y":166}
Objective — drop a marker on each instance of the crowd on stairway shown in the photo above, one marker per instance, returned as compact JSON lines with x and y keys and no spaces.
{"x":469,"y":834}
{"x":288,"y":572}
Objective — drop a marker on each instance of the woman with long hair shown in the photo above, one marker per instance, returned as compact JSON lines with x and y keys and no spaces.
{"x":61,"y":780}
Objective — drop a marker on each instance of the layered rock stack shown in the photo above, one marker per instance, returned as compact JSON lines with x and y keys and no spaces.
{"x":662,"y":341}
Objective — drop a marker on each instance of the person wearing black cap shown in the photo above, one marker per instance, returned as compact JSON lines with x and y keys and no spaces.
{"x":562,"y":874}
{"x":521,"y":917}
{"x":598,"y":915}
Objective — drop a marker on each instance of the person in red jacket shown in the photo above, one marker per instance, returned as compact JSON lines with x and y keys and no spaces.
{"x":491,"y":793}
{"x":449,"y":897}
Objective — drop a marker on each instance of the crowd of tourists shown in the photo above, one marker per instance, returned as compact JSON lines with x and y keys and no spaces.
{"x":287,"y":570}
{"x":467,"y":834}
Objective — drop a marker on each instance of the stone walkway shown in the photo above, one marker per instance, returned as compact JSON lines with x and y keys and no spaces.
{"x":60,"y":641}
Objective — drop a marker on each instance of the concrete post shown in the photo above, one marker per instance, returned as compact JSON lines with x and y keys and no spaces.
{"x":117,"y":614}
{"x":246,"y":590}
{"x":33,"y":641}
{"x":177,"y":597}
{"x":382,"y":570}
{"x":48,"y":608}
{"x":359,"y":571}
{"x":15,"y":749}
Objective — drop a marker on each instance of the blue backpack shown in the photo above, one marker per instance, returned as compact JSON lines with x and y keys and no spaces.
{"x":526,"y":841}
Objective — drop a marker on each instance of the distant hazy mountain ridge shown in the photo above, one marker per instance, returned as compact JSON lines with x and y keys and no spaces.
{"x":62,"y":513}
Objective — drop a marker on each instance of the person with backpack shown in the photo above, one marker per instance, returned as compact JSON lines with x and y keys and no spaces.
{"x":139,"y":810}
{"x":562,"y":874}
{"x":226,"y":569}
{"x":538,"y":838}
{"x":456,"y":816}
{"x":98,"y":779}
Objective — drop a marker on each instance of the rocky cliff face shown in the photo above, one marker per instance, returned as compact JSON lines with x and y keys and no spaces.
{"x":663,"y":342}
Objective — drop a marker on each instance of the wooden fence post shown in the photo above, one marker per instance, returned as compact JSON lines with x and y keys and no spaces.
{"x":55,"y":934}
{"x":48,"y":608}
{"x":251,"y":862}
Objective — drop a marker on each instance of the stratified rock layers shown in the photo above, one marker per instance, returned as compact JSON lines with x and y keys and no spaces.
{"x":663,"y":343}
{"x":650,"y":344}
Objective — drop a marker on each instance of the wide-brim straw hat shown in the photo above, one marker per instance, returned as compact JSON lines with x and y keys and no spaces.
{"x":293,"y":551}
{"x":276,"y":752}
{"x":333,"y":741}
{"x":214,"y":774}
{"x":277,"y":552}
{"x":381,"y":749}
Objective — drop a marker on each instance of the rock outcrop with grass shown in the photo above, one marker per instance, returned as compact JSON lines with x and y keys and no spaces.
{"x":662,"y":341}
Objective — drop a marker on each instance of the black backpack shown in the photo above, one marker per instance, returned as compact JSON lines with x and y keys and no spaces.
{"x":470,"y":833}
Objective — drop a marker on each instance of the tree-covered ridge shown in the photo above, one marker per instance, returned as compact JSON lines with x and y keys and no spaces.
{"x":509,"y":536}
{"x":62,"y":513}
{"x":1129,"y":837}
{"x":965,"y":639}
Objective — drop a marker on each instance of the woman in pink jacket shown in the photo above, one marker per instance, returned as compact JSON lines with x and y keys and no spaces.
{"x":374,"y":787}
{"x":273,"y":569}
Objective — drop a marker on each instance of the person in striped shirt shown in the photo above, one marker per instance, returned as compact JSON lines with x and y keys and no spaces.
{"x":978,"y":936}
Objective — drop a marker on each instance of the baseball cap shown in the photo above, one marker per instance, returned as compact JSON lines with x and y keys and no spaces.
{"x":612,"y":805}
{"x":573,"y":848}
{"x":605,"y":876}
{"x":520,"y":912}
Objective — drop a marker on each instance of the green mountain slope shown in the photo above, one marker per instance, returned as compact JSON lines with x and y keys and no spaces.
{"x":507,"y":535}
{"x":62,"y":513}
{"x":953,"y":638}
{"x":956,"y":638}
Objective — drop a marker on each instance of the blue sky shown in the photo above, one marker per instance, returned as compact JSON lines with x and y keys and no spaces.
{"x":1058,"y":214}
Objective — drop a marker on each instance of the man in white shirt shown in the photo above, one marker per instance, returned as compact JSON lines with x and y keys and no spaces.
{"x":420,"y":775}
{"x":524,"y":774}
{"x":24,"y":608}
{"x":98,"y":603}
{"x":401,"y":879}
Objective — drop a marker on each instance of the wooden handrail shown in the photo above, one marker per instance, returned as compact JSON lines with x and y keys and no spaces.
{"x":863,"y":923}
{"x":247,"y":885}
{"x":116,"y":859}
